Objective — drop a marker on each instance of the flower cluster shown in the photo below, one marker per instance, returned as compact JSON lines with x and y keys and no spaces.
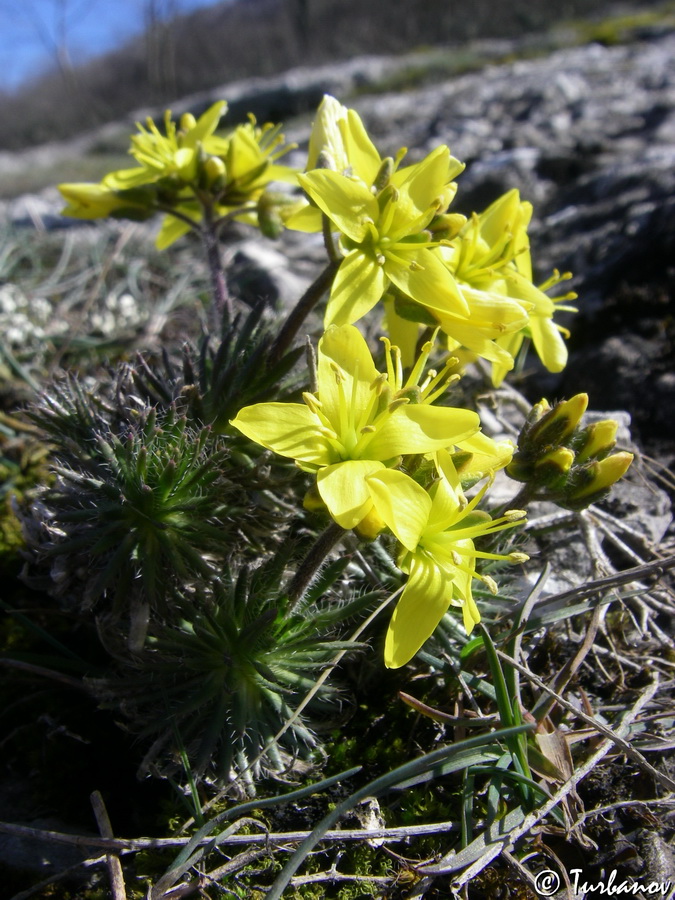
{"x":362,"y":432}
{"x":190,"y":173}
{"x":399,"y":242}
{"x":560,"y":460}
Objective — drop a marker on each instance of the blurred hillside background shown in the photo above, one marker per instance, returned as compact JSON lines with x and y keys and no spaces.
{"x":164,"y":49}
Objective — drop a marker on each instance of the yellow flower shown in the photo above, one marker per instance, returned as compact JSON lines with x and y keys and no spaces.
{"x":359,"y":422}
{"x":383,"y":235}
{"x":436,"y":531}
{"x":241,"y":172}
{"x":174,"y":153}
{"x":185,"y":169}
{"x":490,"y":258}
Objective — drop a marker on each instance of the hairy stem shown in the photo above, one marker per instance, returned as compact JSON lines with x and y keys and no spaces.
{"x":221,"y":297}
{"x":525,"y":495}
{"x":310,"y":564}
{"x":302,"y":309}
{"x":328,"y":241}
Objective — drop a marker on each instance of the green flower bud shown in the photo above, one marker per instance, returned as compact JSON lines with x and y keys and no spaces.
{"x":273,"y":208}
{"x":551,"y":470}
{"x":447,"y":226}
{"x":520,"y":469}
{"x":559,"y":423}
{"x":384,"y":174}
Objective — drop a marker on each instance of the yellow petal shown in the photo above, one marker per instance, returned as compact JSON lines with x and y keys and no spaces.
{"x":89,"y":201}
{"x":346,"y":201}
{"x":424,"y":602}
{"x":171,"y":229}
{"x":511,"y":344}
{"x":548,"y":343}
{"x":402,"y":504}
{"x":421,"y":429}
{"x":487,"y":455}
{"x":358,"y":286}
{"x":307,"y":218}
{"x":344,"y":347}
{"x":124,"y":179}
{"x":206,"y":124}
{"x":290,"y":429}
{"x":424,"y":276}
{"x":470,"y":613}
{"x":362,"y":154}
{"x":344,"y":490}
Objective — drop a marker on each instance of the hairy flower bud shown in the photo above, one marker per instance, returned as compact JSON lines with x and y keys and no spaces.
{"x":600,"y":475}
{"x":596,"y":440}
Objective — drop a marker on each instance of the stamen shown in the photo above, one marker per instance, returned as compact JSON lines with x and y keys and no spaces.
{"x":391,"y":376}
{"x":395,"y":404}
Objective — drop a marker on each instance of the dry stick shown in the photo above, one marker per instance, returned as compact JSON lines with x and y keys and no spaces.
{"x":656,"y":568}
{"x":623,"y":745}
{"x":537,"y":815}
{"x":230,"y":867}
{"x":543,"y":707}
{"x":112,"y":860}
{"x":625,"y":804}
{"x":126,"y":845}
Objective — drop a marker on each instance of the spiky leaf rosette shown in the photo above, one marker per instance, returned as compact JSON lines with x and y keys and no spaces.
{"x":224,"y":682}
{"x":225,"y":373}
{"x":139,"y":508}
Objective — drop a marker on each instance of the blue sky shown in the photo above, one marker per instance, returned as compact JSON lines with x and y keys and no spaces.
{"x":31,"y":30}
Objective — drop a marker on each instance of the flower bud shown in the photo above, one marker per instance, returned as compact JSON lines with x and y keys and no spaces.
{"x":187,"y":122}
{"x":384,"y":174}
{"x":447,"y":226}
{"x":556,"y":425}
{"x":603,"y":474}
{"x":370,"y":526}
{"x":596,"y":440}
{"x":312,"y":501}
{"x":552,"y":468}
{"x":214,"y":171}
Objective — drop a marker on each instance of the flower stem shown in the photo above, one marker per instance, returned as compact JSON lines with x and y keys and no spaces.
{"x":329,"y":244}
{"x":308,"y":567}
{"x":221,"y":297}
{"x":525,"y":495}
{"x":301,"y":310}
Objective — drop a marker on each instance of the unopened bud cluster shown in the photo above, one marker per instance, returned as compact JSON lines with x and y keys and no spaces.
{"x":564,"y":461}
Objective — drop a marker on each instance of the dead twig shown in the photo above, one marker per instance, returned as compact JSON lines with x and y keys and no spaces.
{"x":115,"y":872}
{"x":135,"y":844}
